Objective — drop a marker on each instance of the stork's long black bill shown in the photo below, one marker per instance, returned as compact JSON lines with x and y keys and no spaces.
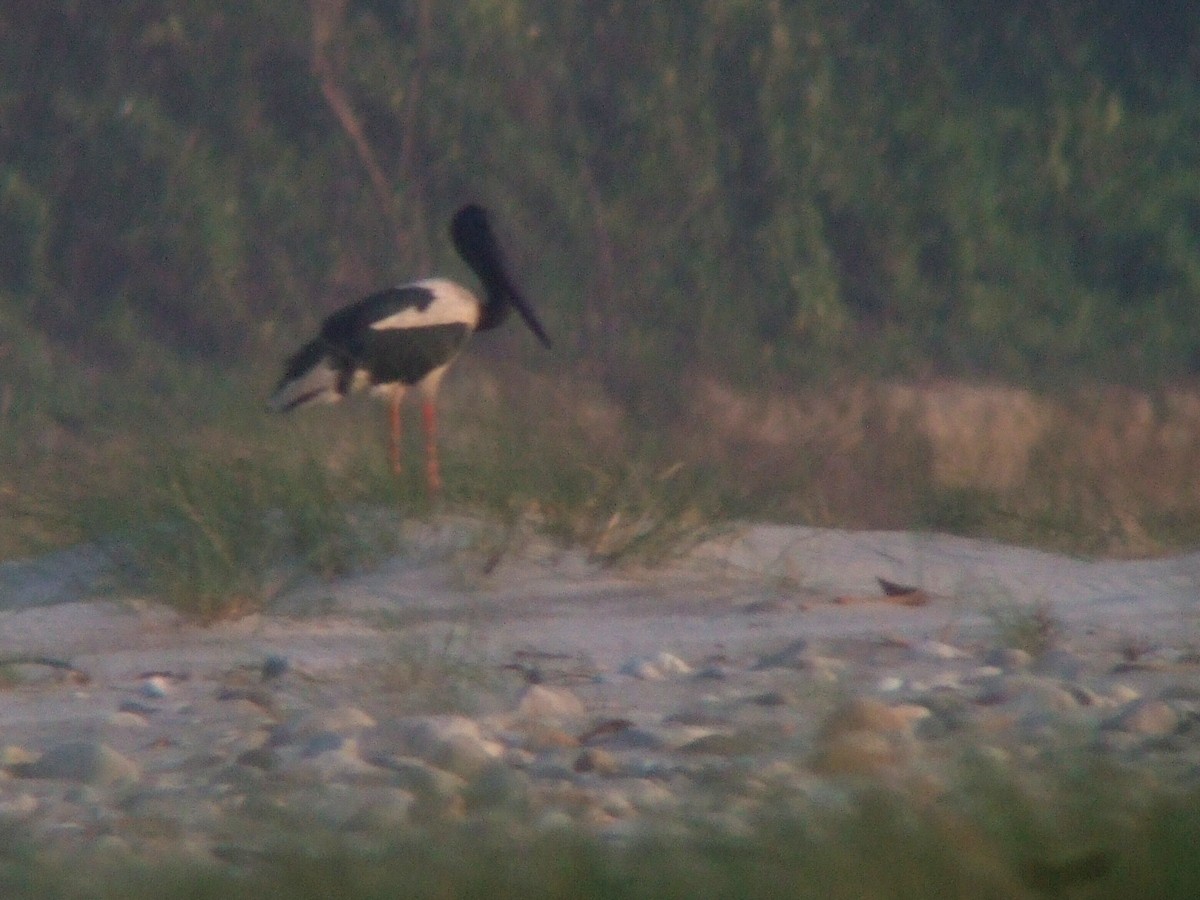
{"x":530,"y":319}
{"x":472,"y":234}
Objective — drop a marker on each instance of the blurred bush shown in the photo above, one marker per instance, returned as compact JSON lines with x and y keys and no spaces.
{"x":911,"y":185}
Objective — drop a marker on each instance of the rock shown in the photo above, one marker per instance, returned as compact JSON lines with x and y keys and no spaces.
{"x":1084,"y":695}
{"x":1146,"y":717}
{"x":1008,"y":659}
{"x":648,"y":795}
{"x":344,"y":720}
{"x":541,"y":702}
{"x":864,"y":736}
{"x":12,"y":755}
{"x":263,"y":758}
{"x":254,"y":700}
{"x":1034,"y":692}
{"x":274,"y":666}
{"x":669,"y":664}
{"x":498,"y":787}
{"x":656,"y":737}
{"x":137,"y":707}
{"x":641,"y":668}
{"x":773,"y":698}
{"x":741,"y":743}
{"x":556,"y":820}
{"x":715,"y":672}
{"x":889,"y":684}
{"x":329,"y":805}
{"x":126,"y":719}
{"x":596,"y":759}
{"x":390,"y":808}
{"x":450,"y":742}
{"x":87,"y":762}
{"x":437,"y":793}
{"x":939,"y":650}
{"x":1123,"y":693}
{"x":655,"y":668}
{"x":333,"y":758}
{"x":949,"y":712}
{"x":791,"y":656}
{"x":155,"y":687}
{"x":324,"y":742}
{"x":17,"y":808}
{"x":1059,"y":663}
{"x":158,"y":810}
{"x":418,"y":776}
{"x":868,"y":714}
{"x":855,"y":753}
{"x":540,"y":736}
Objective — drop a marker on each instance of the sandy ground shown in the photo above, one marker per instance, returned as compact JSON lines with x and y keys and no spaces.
{"x":732,"y":599}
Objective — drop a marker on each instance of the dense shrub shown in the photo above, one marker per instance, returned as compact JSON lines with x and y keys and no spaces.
{"x":921,"y":184}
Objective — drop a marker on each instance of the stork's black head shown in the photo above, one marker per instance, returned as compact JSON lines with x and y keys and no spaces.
{"x":473,"y":239}
{"x":471,"y":232}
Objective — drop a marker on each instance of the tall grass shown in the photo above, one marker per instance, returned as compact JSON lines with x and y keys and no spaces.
{"x":1071,"y":834}
{"x":210,"y":505}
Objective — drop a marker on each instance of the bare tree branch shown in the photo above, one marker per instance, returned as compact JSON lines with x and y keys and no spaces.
{"x":328,"y":17}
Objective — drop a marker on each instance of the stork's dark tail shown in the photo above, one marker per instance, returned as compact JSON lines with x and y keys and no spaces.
{"x":310,"y":377}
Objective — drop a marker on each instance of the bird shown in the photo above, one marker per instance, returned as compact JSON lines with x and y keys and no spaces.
{"x":406,"y":337}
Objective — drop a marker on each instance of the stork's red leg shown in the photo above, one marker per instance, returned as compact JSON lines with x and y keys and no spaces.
{"x":432,"y":469}
{"x":394,"y":444}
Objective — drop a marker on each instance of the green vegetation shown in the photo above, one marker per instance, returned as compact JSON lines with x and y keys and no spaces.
{"x":779,"y":199}
{"x":1032,"y":627}
{"x":1077,"y":834}
{"x":749,"y":227}
{"x":979,"y":188}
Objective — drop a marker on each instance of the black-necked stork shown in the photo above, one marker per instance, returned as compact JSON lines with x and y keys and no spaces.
{"x":407,"y":336}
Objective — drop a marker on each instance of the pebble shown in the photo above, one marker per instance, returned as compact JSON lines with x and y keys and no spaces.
{"x":868,"y":714}
{"x":655,"y":668}
{"x":596,"y":759}
{"x":720,"y":744}
{"x":451,"y":742}
{"x":540,"y":736}
{"x":1008,"y":659}
{"x":126,"y":719}
{"x":436,"y":793}
{"x":541,"y":702}
{"x":889,"y":684}
{"x":794,"y":655}
{"x":18,"y":808}
{"x":308,"y":724}
{"x":334,"y":761}
{"x":855,"y":753}
{"x":498,"y":786}
{"x":155,"y":687}
{"x":1058,"y":663}
{"x":87,"y":762}
{"x":387,"y":809}
{"x":195,"y":761}
{"x":1146,"y":717}
{"x":274,"y":666}
{"x":939,"y":650}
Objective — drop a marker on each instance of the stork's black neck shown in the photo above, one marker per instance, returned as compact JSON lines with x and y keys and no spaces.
{"x":473,"y":237}
{"x":477,"y":245}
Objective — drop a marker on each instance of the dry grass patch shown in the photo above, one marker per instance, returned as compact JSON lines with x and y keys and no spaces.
{"x":1109,"y":471}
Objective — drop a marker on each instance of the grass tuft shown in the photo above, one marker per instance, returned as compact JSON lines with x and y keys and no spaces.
{"x":204,"y":546}
{"x":437,"y":672}
{"x":1030,"y":626}
{"x":1075,"y":831}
